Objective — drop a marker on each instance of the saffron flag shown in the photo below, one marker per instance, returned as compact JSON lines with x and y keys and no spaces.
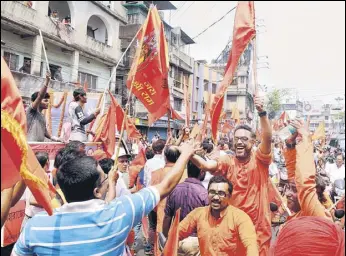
{"x":110,"y":122}
{"x":243,"y":32}
{"x":136,"y":166}
{"x":107,"y":134}
{"x":171,"y":246}
{"x":18,"y":161}
{"x":235,"y":115}
{"x":320,"y":132}
{"x":149,"y":70}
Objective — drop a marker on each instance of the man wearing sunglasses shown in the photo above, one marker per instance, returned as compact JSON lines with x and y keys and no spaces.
{"x":77,"y":117}
{"x":222,"y":229}
{"x":248,"y":171}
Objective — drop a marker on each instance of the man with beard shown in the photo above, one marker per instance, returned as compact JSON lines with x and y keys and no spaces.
{"x":222,"y":229}
{"x":37,"y":130}
{"x":249,"y":174}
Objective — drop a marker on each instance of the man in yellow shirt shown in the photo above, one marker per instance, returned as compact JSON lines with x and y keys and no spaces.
{"x":221,"y":228}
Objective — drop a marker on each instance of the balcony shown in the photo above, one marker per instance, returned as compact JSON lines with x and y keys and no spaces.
{"x":180,"y":59}
{"x":25,"y":21}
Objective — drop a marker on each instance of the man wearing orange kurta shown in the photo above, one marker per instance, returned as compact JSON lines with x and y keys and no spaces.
{"x":222,"y":229}
{"x":249,"y":173}
{"x":301,"y":193}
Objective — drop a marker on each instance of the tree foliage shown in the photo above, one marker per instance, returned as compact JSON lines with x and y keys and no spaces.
{"x":274,"y":100}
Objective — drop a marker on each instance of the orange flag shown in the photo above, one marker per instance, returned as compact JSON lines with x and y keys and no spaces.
{"x":320,"y":132}
{"x":171,"y":247}
{"x":107,"y":134}
{"x":18,"y":161}
{"x":149,"y":70}
{"x":136,"y":166}
{"x":235,"y":115}
{"x":113,"y":119}
{"x":243,"y":32}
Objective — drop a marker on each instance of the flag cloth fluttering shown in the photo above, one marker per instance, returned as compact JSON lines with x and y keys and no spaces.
{"x":171,"y":246}
{"x":320,"y":132}
{"x":109,"y":123}
{"x":243,"y":32}
{"x":18,"y":161}
{"x":149,"y":70}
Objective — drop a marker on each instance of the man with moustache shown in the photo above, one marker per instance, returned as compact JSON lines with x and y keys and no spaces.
{"x":222,"y":229}
{"x":248,"y":171}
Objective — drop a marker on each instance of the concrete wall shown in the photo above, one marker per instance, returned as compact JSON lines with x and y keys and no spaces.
{"x":97,"y":69}
{"x":13,"y":12}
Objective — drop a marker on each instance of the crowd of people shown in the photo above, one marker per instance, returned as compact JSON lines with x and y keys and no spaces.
{"x":223,"y":193}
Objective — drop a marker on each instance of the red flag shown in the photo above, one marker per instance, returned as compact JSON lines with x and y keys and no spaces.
{"x":171,"y":247}
{"x":243,"y":32}
{"x":149,"y":71}
{"x":17,"y":156}
{"x":136,"y":166}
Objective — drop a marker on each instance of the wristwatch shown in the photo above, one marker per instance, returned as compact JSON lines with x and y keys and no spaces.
{"x":263,"y":113}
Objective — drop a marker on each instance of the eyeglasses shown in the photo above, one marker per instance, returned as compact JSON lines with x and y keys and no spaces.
{"x":104,"y":180}
{"x":243,"y":139}
{"x":221,"y":194}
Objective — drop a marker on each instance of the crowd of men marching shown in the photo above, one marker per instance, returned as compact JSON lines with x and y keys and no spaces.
{"x":242,"y":196}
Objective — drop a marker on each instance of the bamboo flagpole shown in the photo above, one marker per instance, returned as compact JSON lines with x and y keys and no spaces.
{"x":115,"y":71}
{"x":44,"y":50}
{"x":127,"y":103}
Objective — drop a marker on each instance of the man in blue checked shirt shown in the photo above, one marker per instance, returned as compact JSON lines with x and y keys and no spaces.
{"x":87,"y":224}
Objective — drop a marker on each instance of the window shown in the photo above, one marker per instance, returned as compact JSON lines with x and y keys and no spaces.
{"x":90,"y":32}
{"x":133,"y":18}
{"x":11,"y":60}
{"x":213,"y":89}
{"x":196,"y":106}
{"x":206,"y":85}
{"x":234,"y":82}
{"x":231,"y":98}
{"x":326,"y":118}
{"x":242,"y":79}
{"x":90,"y":79}
{"x":177,"y":104}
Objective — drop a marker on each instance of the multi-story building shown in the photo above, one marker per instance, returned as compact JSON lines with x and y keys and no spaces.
{"x":81,"y":38}
{"x":206,"y":81}
{"x":240,"y":92}
{"x":181,"y":64}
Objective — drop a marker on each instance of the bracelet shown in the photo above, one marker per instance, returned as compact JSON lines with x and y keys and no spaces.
{"x":263,"y":113}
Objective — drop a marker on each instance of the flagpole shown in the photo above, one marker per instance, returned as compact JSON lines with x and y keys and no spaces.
{"x":115,"y":71}
{"x":44,"y":50}
{"x":127,"y":103}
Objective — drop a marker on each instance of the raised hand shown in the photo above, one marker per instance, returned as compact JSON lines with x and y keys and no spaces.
{"x":259,"y":103}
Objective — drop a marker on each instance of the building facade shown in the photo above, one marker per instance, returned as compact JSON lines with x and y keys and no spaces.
{"x":81,"y":38}
{"x":180,"y":71}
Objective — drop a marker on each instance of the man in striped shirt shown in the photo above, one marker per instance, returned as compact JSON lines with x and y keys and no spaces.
{"x":87,"y":225}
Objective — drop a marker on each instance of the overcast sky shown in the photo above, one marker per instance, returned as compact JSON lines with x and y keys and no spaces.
{"x":304,"y":41}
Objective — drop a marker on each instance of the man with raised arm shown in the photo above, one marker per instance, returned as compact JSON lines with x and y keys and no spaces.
{"x":248,"y":172}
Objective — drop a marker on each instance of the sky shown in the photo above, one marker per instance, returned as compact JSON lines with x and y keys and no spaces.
{"x":304,"y":42}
